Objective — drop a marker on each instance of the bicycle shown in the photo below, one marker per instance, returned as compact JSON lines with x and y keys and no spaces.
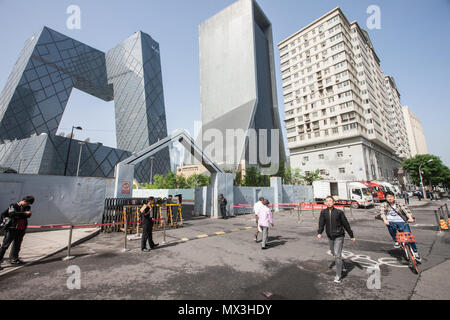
{"x":404,"y":239}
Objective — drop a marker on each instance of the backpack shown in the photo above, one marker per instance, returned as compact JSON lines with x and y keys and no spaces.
{"x":5,"y":220}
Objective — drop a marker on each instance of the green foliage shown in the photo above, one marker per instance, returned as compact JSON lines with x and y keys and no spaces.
{"x":172,"y":181}
{"x":433,"y":173}
{"x":310,"y":177}
{"x":198,"y":180}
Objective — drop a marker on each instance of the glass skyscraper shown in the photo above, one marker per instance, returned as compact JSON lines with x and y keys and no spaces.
{"x":36,"y":94}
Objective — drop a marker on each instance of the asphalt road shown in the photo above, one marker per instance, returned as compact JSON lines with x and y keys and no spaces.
{"x":197,"y":263}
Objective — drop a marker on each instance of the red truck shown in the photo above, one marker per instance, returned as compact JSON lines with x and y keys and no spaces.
{"x":377,"y":190}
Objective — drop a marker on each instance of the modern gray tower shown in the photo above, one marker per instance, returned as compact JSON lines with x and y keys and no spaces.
{"x":237,"y":79}
{"x":36,"y":94}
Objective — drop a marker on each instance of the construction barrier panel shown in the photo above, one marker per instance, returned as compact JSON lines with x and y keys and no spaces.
{"x":121,"y":210}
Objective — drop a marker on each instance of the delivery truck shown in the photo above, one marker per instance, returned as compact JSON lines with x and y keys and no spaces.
{"x":355,"y":193}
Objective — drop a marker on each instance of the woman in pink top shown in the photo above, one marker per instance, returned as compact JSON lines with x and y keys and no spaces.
{"x":264,"y":219}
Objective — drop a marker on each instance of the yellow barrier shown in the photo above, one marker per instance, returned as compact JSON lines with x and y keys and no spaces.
{"x":443,"y":225}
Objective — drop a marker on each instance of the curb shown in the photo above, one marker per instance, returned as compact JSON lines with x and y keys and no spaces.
{"x":88,"y":237}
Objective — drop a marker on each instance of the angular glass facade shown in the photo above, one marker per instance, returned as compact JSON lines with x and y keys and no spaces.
{"x":36,"y":94}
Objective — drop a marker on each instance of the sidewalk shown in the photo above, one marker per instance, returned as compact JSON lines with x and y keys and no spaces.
{"x":415,"y":203}
{"x":433,"y":283}
{"x":40,"y":245}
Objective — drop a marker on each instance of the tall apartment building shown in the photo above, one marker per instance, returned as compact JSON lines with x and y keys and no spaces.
{"x":397,"y":120}
{"x":416,"y":137}
{"x":337,"y":108}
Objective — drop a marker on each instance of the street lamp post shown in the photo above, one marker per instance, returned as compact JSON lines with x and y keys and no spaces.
{"x":68,"y":151}
{"x":421,"y":180}
{"x":79,"y":157}
{"x":151,"y":169}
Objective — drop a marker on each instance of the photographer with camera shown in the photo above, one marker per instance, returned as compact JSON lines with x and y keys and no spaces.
{"x":147,"y":212}
{"x":15,"y":221}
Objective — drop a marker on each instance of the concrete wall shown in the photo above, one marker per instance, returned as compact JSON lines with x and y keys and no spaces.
{"x":187,"y":194}
{"x":249,"y":195}
{"x":297,"y":193}
{"x":59,"y":199}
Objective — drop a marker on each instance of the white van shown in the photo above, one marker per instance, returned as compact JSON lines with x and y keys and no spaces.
{"x":356,"y":193}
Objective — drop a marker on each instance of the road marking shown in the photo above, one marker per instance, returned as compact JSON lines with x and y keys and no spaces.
{"x":201,"y":236}
{"x":367,"y":262}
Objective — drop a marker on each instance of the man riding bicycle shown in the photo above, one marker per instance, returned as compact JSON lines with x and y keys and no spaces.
{"x":395,"y":216}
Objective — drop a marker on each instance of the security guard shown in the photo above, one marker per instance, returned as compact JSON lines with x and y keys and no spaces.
{"x":147,"y":212}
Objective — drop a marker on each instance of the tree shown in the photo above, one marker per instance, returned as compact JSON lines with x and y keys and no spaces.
{"x":181,"y":182}
{"x":170,"y":180}
{"x":158,"y":182}
{"x":433,"y":172}
{"x":237,"y":179}
{"x":198,"y":180}
{"x":310,"y":177}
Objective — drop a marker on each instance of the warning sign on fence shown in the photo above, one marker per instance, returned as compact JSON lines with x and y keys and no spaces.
{"x":126,"y":187}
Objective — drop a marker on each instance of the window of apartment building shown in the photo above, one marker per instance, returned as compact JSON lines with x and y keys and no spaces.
{"x":325,"y":122}
{"x":332,"y":109}
{"x":290,"y":112}
{"x":335,"y":130}
{"x":322,"y":171}
{"x":292,"y":139}
{"x":341,"y":170}
{"x":290,"y":122}
{"x":305,"y":158}
{"x":326,"y":132}
{"x":290,"y":130}
{"x":348,"y":116}
{"x":321,"y":156}
{"x":350,"y":126}
{"x":300,"y":118}
{"x":317,"y":134}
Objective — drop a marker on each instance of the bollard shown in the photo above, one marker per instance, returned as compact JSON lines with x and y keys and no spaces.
{"x":164,"y":230}
{"x":351,"y":211}
{"x":69,"y":245}
{"x":126,"y":229}
{"x":438,"y":220}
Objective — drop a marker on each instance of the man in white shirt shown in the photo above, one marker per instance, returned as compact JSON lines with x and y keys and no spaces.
{"x":258,"y":205}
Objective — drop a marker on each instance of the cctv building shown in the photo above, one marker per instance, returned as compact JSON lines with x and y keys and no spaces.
{"x":38,"y":89}
{"x":237,"y":82}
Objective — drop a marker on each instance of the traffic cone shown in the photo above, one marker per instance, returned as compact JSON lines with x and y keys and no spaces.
{"x":443,"y":225}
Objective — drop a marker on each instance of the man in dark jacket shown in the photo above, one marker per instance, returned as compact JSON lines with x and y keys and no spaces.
{"x":223,"y":206}
{"x":147,"y":212}
{"x":18,"y":215}
{"x":334,"y":222}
